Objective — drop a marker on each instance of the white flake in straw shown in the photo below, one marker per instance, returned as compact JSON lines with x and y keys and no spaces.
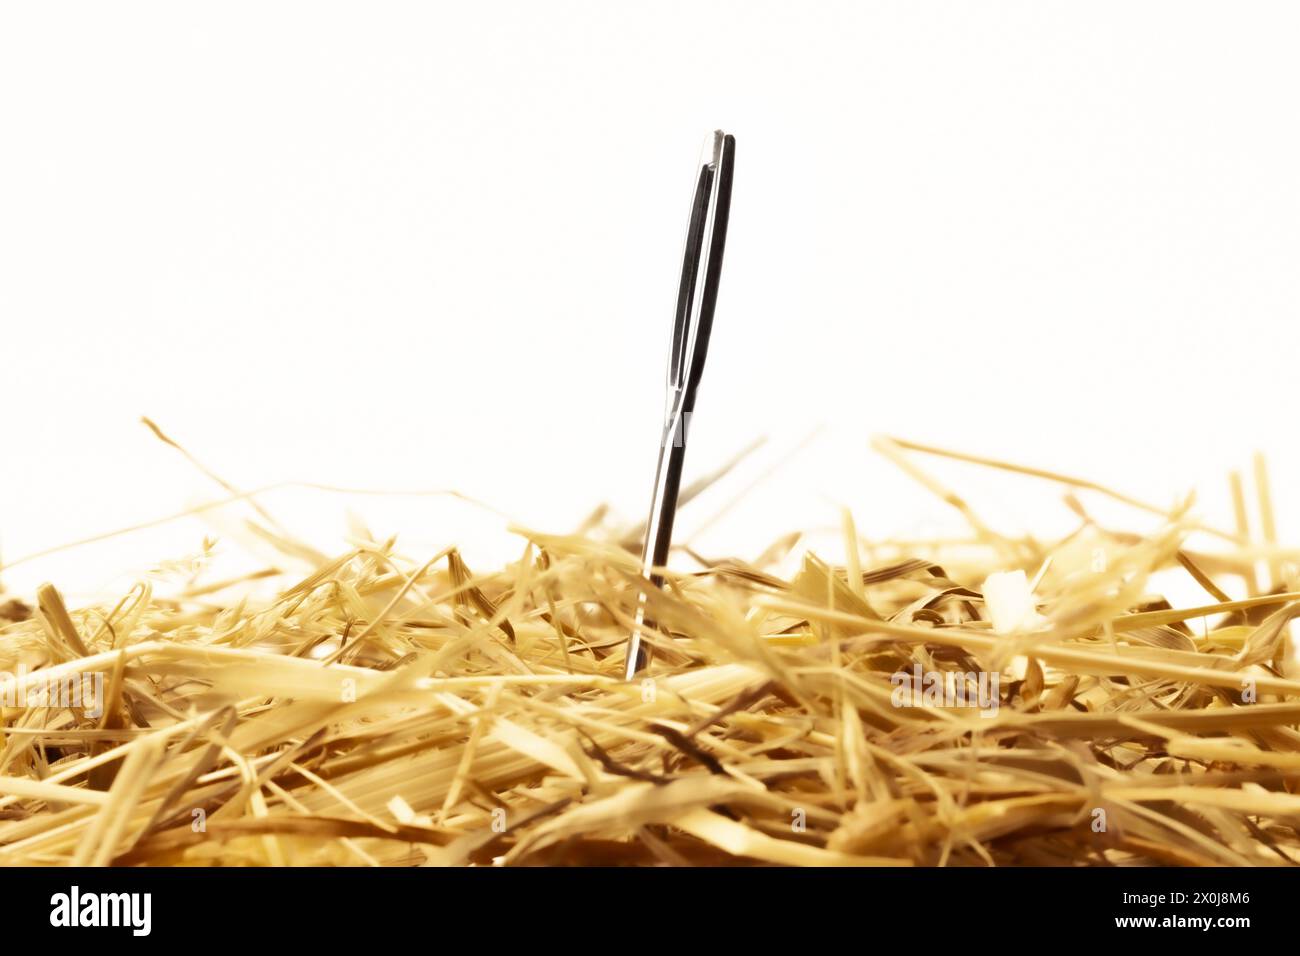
{"x":1011,"y":603}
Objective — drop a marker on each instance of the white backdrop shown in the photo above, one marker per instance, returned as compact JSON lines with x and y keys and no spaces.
{"x":434,"y":245}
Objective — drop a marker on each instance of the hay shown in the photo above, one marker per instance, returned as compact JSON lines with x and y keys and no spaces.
{"x":388,"y":711}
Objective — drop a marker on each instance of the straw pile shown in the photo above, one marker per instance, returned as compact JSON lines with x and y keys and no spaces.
{"x":394,"y":712}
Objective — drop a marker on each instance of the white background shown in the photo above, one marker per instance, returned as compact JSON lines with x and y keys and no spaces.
{"x":435,"y":245}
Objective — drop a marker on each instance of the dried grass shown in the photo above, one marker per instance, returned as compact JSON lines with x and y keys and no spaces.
{"x":388,"y":711}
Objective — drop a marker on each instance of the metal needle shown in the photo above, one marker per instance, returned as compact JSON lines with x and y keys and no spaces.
{"x":706,"y":235}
